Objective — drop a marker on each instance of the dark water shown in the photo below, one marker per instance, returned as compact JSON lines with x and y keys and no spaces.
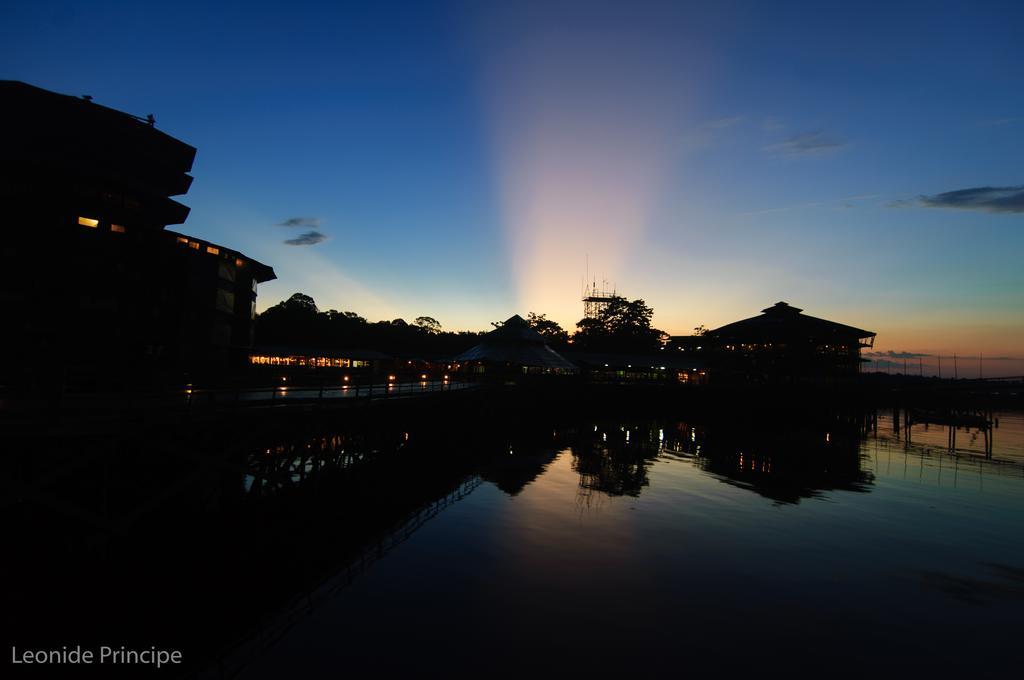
{"x":671,"y":548}
{"x":473,"y":537}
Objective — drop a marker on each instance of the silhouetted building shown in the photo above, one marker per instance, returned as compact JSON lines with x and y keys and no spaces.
{"x":663,"y":367}
{"x":97,"y":293}
{"x":515,"y":348}
{"x":783,"y":345}
{"x":299,"y":358}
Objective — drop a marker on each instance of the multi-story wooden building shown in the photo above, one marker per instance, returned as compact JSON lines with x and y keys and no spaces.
{"x":782,"y":345}
{"x":95,"y":291}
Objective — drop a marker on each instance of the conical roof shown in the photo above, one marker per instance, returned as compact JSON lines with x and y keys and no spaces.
{"x":515,"y":342}
{"x":783,"y":321}
{"x":516,"y":329}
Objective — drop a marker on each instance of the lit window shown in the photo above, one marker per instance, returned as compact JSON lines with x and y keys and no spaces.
{"x":119,"y":228}
{"x":212,"y":251}
{"x":88,"y":222}
{"x":182,"y":239}
{"x":239,"y":262}
{"x":193,"y":245}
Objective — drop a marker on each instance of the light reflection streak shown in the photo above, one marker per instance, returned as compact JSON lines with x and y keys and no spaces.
{"x":586,"y":122}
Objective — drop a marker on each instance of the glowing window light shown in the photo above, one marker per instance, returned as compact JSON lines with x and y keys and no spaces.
{"x":88,"y":222}
{"x":193,"y":245}
{"x":181,"y":239}
{"x":213,"y":250}
{"x":239,"y":262}
{"x":117,"y":228}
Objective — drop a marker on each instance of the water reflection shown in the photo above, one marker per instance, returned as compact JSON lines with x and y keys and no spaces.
{"x":673,"y":535}
{"x":778,"y":462}
{"x":784,"y":464}
{"x":354,"y":530}
{"x":613,"y":460}
{"x":523,"y":464}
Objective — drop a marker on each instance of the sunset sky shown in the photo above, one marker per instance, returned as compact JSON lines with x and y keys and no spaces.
{"x":468,"y":161}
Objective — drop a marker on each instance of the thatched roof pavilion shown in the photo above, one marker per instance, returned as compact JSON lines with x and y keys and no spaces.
{"x":516,"y":343}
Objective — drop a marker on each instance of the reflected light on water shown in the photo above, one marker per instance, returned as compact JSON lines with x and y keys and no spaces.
{"x":670,"y":542}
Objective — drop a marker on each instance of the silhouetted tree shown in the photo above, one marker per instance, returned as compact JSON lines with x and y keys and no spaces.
{"x":621,"y":326}
{"x":297,"y":322}
{"x":427,"y":323}
{"x":551,"y":330}
{"x":300,"y":301}
{"x":295,"y":317}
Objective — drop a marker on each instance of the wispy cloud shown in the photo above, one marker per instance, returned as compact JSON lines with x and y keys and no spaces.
{"x":295,"y":222}
{"x":722,"y":123}
{"x":988,"y":199}
{"x":845,"y":202}
{"x":891,"y":354}
{"x":996,"y":122}
{"x":310,"y":238}
{"x":806,"y":144}
{"x":707,"y":133}
{"x":896,"y":355}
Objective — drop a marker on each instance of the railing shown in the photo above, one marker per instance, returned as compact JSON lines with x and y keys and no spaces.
{"x":286,"y":392}
{"x":99,"y":411}
{"x":231,"y":661}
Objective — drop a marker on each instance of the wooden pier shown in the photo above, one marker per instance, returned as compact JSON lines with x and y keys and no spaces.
{"x":954,"y":419}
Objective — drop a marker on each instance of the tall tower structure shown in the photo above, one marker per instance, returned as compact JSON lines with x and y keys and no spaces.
{"x":596,"y":299}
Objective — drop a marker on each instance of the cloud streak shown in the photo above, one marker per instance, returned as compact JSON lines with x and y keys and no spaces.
{"x":806,"y":144}
{"x":896,"y":355}
{"x":295,"y":222}
{"x":845,"y":203}
{"x":997,"y":122}
{"x":309,"y":238}
{"x":987,"y":199}
{"x":924,"y":355}
{"x":708,"y":133}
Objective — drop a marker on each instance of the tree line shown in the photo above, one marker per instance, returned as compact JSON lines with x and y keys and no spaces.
{"x":621,"y":326}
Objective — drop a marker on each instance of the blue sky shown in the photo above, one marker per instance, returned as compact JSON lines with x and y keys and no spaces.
{"x":472,"y":160}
